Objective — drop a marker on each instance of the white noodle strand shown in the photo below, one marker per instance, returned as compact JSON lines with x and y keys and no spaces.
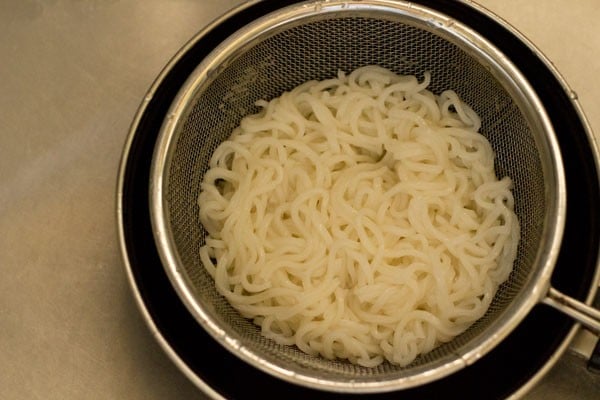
{"x":359,"y":218}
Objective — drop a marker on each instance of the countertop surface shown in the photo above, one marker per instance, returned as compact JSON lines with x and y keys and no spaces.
{"x":72,"y":75}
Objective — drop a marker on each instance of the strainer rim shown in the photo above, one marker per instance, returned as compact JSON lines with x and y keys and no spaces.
{"x":170,"y":258}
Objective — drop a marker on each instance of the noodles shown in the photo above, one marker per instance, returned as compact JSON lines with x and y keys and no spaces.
{"x":359,"y":218}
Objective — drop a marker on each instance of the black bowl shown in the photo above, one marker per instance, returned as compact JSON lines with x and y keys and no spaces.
{"x":514,"y":364}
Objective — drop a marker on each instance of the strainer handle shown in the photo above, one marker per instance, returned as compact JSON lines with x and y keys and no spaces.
{"x":581,"y":312}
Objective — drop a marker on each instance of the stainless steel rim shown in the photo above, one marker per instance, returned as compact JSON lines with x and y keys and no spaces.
{"x":445,"y":27}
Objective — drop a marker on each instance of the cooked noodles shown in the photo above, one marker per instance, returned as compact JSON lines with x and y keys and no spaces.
{"x":359,"y":218}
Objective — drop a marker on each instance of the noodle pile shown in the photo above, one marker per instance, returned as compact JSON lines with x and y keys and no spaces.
{"x":359,"y":218}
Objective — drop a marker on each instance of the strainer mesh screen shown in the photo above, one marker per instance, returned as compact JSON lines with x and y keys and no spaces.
{"x":317,"y":50}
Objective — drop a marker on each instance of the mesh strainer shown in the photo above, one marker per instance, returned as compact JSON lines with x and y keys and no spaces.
{"x":313,"y":40}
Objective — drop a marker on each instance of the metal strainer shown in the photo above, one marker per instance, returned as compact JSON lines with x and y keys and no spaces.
{"x":313,"y":40}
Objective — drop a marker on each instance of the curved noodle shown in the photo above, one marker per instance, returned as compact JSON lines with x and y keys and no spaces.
{"x":359,"y":218}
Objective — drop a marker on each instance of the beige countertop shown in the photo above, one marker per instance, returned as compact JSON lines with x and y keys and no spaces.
{"x":72,"y":75}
